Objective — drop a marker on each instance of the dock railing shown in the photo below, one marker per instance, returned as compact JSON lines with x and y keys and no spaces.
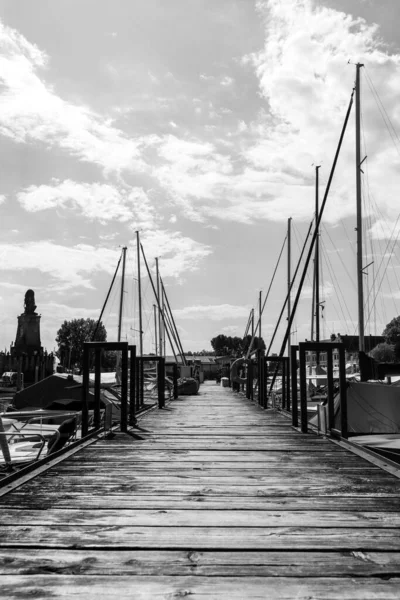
{"x":290,"y":393}
{"x":299,"y":375}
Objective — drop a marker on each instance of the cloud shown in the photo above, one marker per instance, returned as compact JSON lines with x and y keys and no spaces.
{"x":68,"y":267}
{"x":178,"y":254}
{"x":217,"y":312}
{"x":306,"y":81}
{"x":305,"y":84}
{"x":226,"y":81}
{"x":100,"y":202}
{"x":30,"y":110}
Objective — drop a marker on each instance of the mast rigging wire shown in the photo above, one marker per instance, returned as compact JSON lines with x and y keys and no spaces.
{"x":317,"y":226}
{"x":249,"y":351}
{"x":106,"y":300}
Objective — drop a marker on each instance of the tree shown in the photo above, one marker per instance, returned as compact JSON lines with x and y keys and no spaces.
{"x":234,"y":346}
{"x":383,"y":353}
{"x":258,"y":343}
{"x":391,"y":332}
{"x":71,"y":337}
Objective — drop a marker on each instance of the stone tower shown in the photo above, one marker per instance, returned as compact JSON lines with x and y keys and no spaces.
{"x":28,"y":333}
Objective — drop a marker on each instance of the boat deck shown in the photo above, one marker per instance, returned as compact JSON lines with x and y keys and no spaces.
{"x":214,"y":498}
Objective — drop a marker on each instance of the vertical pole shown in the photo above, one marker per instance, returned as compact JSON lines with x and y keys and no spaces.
{"x":343,"y":392}
{"x":175,"y":376}
{"x":163,"y":320}
{"x":121,"y":300}
{"x":303,"y":389}
{"x":289,"y":282}
{"x":155,"y":330}
{"x":293,"y":368}
{"x":124,"y":390}
{"x":359,"y":214}
{"x":331,"y":407}
{"x":97,"y":375}
{"x":252,"y":323}
{"x":160,"y":332}
{"x":316,"y":258}
{"x":139,"y":296}
{"x":259,"y":312}
{"x":161,"y":382}
{"x":132,"y":386}
{"x":85,"y":391}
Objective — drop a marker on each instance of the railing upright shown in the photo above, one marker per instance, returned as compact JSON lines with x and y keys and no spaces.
{"x":303,"y":388}
{"x":343,"y":392}
{"x":97,"y":375}
{"x":85,"y":390}
{"x":175,"y":378}
{"x":161,"y":382}
{"x":331,"y":390}
{"x":132,"y":385}
{"x":293,"y":367}
{"x":124,"y":390}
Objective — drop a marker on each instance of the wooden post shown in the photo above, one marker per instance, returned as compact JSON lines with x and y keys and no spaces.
{"x":293,"y":368}
{"x":288,"y":383}
{"x":97,"y":378}
{"x":175,"y":376}
{"x":132,"y":386}
{"x":161,"y":382}
{"x":85,"y":391}
{"x":303,"y":389}
{"x":124,"y":389}
{"x":331,"y":408}
{"x":343,"y":391}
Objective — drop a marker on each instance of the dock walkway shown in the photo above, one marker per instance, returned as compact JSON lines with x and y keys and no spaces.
{"x":217,"y":499}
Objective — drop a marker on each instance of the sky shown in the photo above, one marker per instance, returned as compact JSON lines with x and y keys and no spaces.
{"x":199,"y":124}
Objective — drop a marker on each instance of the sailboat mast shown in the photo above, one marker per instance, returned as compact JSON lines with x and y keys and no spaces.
{"x":155,"y":330}
{"x":316,"y":256}
{"x":121,"y":300}
{"x":359,"y":214}
{"x":260,"y":314}
{"x":289,"y":273}
{"x":140,"y":295}
{"x":160,"y":332}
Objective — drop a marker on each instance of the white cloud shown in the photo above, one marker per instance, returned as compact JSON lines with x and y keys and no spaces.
{"x":30,"y":110}
{"x":101,"y":202}
{"x":178,"y":254}
{"x":306,"y":80}
{"x":226,"y":81}
{"x":211,"y":312}
{"x":68,"y":266}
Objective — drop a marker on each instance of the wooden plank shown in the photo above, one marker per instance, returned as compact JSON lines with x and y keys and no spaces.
{"x":168,"y":587}
{"x":372,"y":479}
{"x":199,"y":563}
{"x":226,"y":538}
{"x":90,"y":502}
{"x":192,"y":518}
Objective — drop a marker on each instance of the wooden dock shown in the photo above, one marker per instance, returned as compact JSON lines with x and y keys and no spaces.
{"x":213,"y":498}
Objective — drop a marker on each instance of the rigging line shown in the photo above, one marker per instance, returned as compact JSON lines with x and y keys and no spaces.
{"x":381,"y":102}
{"x":288,"y":294}
{"x":380,"y":285}
{"x":334,"y":278}
{"x":383,"y":112}
{"x":387,"y":246}
{"x":351,"y":244}
{"x":317,"y":225}
{"x":339,"y":256}
{"x":106,"y":300}
{"x":380,"y":248}
{"x":266,"y":298}
{"x":310,"y":283}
